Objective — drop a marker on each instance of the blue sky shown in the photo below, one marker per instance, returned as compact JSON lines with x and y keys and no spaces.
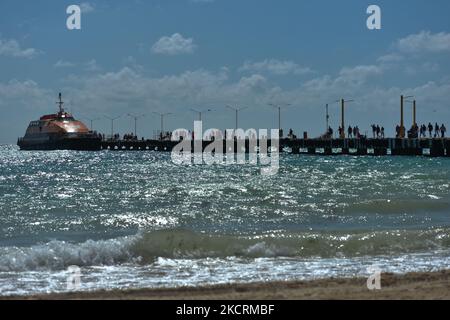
{"x":170,"y":56}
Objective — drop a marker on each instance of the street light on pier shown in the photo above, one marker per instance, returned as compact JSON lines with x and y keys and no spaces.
{"x":162,"y":115}
{"x":112,"y":119}
{"x":136,"y":118}
{"x":343,"y":102}
{"x":236,"y":110}
{"x":413,"y":102}
{"x":200,"y":112}
{"x":279,"y":107}
{"x":91,"y":121}
{"x":402,"y":119}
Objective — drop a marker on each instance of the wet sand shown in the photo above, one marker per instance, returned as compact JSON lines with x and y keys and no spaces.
{"x":394,"y":287}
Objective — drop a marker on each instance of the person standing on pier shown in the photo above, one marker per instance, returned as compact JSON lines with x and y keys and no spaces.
{"x":350,"y":132}
{"x":436,"y":130}
{"x":382,"y":132}
{"x":430,"y":129}
{"x":374,"y":130}
{"x":443,"y":131}
{"x":423,"y":130}
{"x":378,"y":129}
{"x":330,"y":132}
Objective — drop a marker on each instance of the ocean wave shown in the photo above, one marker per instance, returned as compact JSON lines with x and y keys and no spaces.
{"x":147,"y":247}
{"x":399,"y":206}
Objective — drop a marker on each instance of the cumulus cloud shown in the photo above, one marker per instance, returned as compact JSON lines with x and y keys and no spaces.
{"x":173,"y":45}
{"x":276,"y":67}
{"x":87,"y":7}
{"x":63,"y":64}
{"x":424,"y":42}
{"x":359,"y":73}
{"x":92,"y":65}
{"x":390,"y":58}
{"x":12,"y":48}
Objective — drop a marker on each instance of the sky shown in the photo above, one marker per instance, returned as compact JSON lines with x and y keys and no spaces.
{"x":170,"y":56}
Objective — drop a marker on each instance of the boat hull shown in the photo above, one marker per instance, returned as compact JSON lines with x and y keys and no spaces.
{"x":84,"y":143}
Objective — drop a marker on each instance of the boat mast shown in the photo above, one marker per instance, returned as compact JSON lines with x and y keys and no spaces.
{"x":60,"y":103}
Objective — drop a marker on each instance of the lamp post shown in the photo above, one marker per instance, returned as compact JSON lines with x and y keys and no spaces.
{"x":162,"y":115}
{"x":343,"y":102}
{"x":136,"y":118}
{"x":112,"y":119}
{"x":236,"y":110}
{"x":402,"y":119}
{"x":91,"y":122}
{"x":200,"y":112}
{"x":279,"y":107}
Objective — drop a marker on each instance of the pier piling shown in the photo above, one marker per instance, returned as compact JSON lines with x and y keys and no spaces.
{"x":398,"y":147}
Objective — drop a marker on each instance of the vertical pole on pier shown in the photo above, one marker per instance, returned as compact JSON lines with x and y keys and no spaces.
{"x":402,"y":121}
{"x":279,"y":118}
{"x":414,"y":113}
{"x":343,"y":118}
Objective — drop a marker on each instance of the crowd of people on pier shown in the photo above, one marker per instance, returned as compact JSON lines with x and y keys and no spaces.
{"x":377,"y":131}
{"x":130,"y":137}
{"x":424,"y":131}
{"x":439,"y":131}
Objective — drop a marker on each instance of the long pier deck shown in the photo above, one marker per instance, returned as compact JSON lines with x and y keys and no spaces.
{"x":438,"y":147}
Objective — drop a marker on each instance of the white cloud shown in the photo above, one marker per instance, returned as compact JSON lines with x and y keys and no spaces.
{"x":276,"y":67}
{"x":63,"y":64}
{"x":134,"y":91}
{"x":92,"y":65}
{"x":424,"y":42}
{"x":87,"y":7}
{"x":12,"y":48}
{"x":360,"y":73}
{"x":390,"y":57}
{"x":173,"y":45}
{"x":24,"y":96}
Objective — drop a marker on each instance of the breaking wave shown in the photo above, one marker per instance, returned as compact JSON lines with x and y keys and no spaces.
{"x":146,"y":247}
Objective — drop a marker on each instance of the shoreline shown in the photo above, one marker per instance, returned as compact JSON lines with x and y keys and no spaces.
{"x":421,"y":285}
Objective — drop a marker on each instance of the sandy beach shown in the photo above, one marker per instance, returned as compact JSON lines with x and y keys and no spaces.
{"x":394,"y":287}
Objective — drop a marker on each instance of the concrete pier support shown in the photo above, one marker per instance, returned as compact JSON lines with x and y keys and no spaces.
{"x":311,"y":150}
{"x":345,"y":151}
{"x":380,"y":152}
{"x":437,"y":148}
{"x":361,"y":152}
{"x":295,"y":150}
{"x":328,"y":151}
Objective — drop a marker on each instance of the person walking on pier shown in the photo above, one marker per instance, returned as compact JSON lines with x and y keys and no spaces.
{"x":436,"y":130}
{"x":350,"y":131}
{"x":378,"y":129}
{"x":382,"y":132}
{"x":443,"y":131}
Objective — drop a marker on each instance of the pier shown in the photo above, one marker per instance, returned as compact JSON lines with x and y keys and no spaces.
{"x":438,"y":147}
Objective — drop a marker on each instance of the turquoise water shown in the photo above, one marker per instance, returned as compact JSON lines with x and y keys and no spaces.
{"x":134,"y":219}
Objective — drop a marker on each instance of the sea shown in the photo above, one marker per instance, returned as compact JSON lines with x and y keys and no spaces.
{"x":87,"y":221}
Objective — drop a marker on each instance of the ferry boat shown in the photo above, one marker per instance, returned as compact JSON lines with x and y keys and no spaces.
{"x":60,"y":131}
